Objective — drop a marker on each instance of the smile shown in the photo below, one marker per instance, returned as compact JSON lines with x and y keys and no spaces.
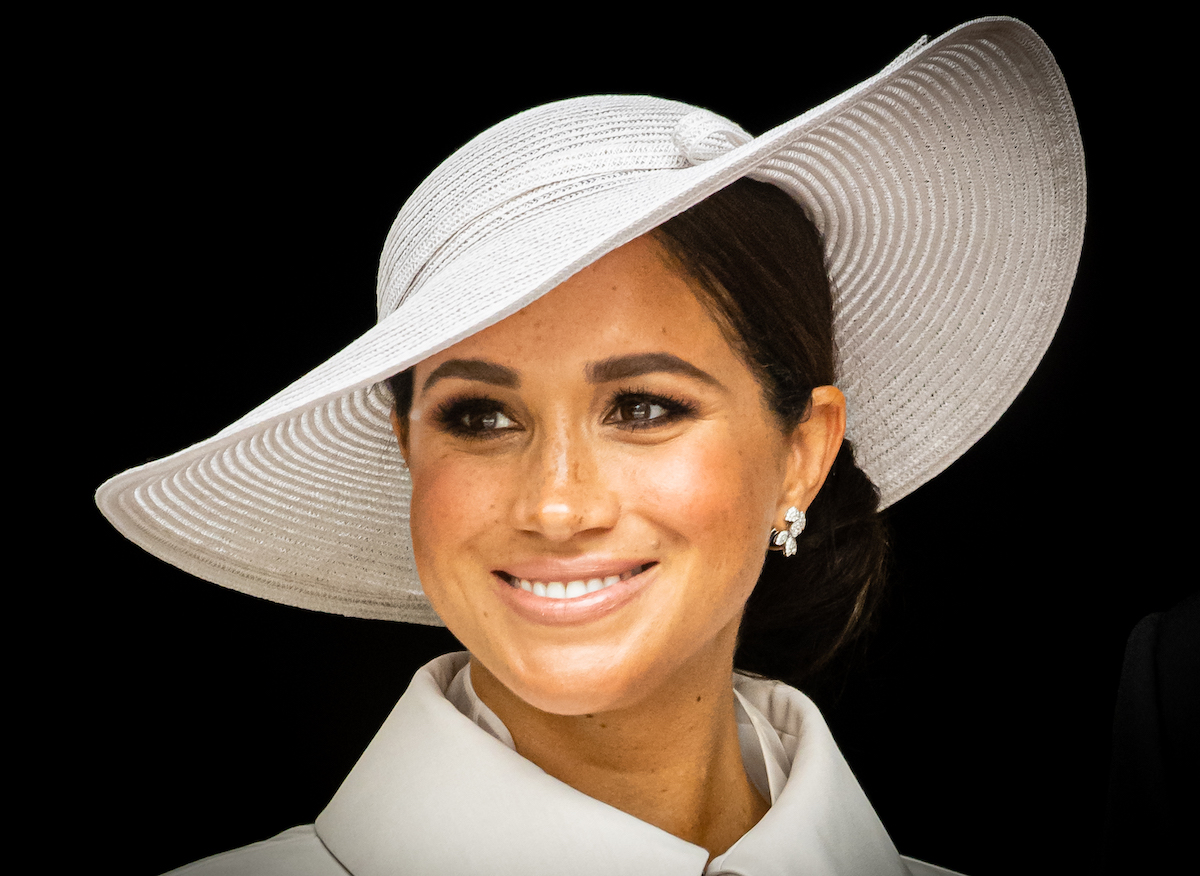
{"x":571,"y":589}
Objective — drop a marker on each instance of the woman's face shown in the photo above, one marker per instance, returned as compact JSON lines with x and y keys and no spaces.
{"x":594,"y":480}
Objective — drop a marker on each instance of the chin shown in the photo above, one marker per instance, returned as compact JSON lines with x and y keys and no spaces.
{"x":578,"y":681}
{"x":584,"y":680}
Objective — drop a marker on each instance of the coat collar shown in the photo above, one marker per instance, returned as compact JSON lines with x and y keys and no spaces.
{"x":436,"y":794}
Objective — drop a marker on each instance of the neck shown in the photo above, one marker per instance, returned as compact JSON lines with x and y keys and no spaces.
{"x":672,"y":760}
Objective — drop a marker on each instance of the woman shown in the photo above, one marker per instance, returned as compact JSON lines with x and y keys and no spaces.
{"x":545,"y":476}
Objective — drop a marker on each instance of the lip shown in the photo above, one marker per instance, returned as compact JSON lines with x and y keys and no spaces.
{"x":549,"y":569}
{"x":583,"y":609}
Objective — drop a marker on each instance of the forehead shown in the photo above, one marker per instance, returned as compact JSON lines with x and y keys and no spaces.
{"x":634,"y":299}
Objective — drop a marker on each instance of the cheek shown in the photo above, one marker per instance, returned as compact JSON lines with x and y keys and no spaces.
{"x":719,"y":496}
{"x":452,"y":501}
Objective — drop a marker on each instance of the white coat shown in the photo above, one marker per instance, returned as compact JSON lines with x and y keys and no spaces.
{"x":441,"y":791}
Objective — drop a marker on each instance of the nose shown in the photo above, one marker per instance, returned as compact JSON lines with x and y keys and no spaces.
{"x":565,"y":489}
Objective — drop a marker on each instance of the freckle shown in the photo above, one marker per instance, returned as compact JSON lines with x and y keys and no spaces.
{"x":697,"y":699}
{"x":589,"y":716}
{"x":603,"y":726}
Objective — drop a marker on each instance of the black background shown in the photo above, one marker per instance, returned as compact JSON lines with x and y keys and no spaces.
{"x":220,"y":193}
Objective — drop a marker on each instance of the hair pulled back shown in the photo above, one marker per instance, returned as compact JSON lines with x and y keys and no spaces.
{"x":757,"y":262}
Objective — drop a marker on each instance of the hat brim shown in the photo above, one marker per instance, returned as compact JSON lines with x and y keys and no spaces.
{"x":949,"y":191}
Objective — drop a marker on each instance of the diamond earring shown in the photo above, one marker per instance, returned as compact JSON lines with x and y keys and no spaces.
{"x":787,"y":538}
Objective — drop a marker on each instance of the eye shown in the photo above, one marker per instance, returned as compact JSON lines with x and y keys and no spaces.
{"x":485,"y":422}
{"x":639,"y":410}
{"x":474,"y":418}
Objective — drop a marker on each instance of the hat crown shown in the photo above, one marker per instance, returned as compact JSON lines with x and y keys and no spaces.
{"x":536,"y":158}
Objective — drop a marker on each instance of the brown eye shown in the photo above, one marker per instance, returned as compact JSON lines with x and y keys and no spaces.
{"x":640,"y":411}
{"x":474,"y":418}
{"x":488,"y":421}
{"x":635,"y":410}
{"x":485,"y":421}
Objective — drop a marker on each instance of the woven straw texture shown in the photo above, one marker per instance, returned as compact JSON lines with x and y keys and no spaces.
{"x":949,"y":191}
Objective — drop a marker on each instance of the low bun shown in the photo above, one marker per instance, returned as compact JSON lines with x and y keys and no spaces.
{"x":808,"y":607}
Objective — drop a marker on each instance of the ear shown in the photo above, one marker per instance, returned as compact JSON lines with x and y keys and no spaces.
{"x":814,"y":446}
{"x":400,"y":427}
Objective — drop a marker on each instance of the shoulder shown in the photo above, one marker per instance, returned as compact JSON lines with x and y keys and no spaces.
{"x":295,"y":852}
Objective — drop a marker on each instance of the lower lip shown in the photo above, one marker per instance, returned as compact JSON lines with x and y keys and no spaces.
{"x":579,"y":610}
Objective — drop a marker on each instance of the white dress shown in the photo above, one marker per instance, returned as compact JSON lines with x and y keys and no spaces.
{"x":441,"y":790}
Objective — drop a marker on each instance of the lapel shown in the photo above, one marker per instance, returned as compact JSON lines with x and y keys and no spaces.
{"x":434,"y":794}
{"x":821,"y":822}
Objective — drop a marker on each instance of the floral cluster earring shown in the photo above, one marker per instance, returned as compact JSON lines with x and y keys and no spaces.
{"x":787,"y":538}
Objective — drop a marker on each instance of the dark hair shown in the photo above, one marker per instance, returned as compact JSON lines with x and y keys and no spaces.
{"x":758,"y":261}
{"x":758,"y":264}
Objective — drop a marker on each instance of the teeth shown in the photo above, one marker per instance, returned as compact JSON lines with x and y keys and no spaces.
{"x":571,"y":589}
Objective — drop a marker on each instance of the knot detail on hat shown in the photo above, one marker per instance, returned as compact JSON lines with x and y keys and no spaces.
{"x":702,"y":136}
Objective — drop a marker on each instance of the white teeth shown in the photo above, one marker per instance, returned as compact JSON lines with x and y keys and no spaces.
{"x":571,"y":589}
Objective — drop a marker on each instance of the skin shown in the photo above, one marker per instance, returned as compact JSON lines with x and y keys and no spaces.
{"x":527,"y":454}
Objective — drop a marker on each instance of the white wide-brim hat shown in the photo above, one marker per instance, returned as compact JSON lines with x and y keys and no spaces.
{"x":948,"y":190}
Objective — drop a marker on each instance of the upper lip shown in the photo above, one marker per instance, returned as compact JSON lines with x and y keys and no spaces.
{"x":576,"y":569}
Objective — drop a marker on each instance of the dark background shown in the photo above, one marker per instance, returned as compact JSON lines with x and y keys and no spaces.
{"x":220,"y":195}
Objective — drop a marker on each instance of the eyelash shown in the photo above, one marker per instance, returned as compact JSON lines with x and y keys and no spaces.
{"x":451,"y":416}
{"x":674,"y":408}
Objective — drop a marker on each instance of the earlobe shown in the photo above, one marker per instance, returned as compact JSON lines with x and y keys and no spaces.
{"x":400,"y":428}
{"x":815,"y":445}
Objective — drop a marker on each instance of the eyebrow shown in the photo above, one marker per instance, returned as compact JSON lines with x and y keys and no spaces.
{"x":637,"y":364}
{"x":604,"y":371}
{"x":473,"y":369}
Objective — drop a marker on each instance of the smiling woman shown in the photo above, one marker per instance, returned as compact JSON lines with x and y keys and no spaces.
{"x":623,"y":348}
{"x":762,"y":257}
{"x":576,"y":487}
{"x":590,"y":494}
